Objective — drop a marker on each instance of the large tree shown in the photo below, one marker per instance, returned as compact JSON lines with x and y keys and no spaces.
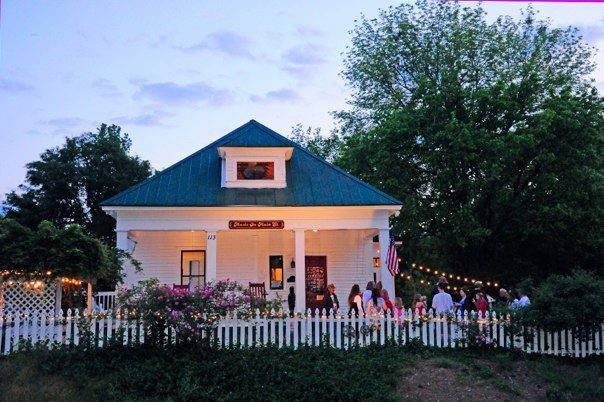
{"x":60,"y":252}
{"x":68,"y":182}
{"x":489,"y":132}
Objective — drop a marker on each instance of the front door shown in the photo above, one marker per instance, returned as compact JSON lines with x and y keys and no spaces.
{"x":316,"y":281}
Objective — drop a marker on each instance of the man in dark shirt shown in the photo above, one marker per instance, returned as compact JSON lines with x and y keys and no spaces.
{"x":291,"y":301}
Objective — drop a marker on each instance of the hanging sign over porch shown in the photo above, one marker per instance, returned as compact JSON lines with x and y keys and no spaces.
{"x":256,"y":225}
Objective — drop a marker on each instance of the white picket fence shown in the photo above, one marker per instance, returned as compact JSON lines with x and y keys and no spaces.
{"x":308,"y":330}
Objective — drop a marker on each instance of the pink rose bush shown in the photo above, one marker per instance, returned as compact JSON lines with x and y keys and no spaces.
{"x":190,"y":313}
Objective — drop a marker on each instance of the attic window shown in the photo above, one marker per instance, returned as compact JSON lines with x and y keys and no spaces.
{"x":253,"y":167}
{"x":255,"y":170}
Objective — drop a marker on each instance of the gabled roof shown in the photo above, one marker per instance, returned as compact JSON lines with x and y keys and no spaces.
{"x":195,"y":180}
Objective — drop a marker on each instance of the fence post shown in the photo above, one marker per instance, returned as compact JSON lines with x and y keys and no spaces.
{"x":8,"y":333}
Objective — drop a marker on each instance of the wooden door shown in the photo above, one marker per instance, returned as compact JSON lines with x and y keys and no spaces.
{"x":316,"y":281}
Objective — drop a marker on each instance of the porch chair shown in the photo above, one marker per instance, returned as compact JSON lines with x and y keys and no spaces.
{"x":258,"y":290}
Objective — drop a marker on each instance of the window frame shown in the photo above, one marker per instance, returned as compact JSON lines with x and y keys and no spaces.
{"x":270,"y":169}
{"x":270,"y":268}
{"x":182,"y":252}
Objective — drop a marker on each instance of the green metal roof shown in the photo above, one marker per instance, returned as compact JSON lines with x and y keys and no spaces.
{"x":195,"y":180}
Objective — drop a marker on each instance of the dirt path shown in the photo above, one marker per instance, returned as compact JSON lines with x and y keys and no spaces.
{"x":442,"y":379}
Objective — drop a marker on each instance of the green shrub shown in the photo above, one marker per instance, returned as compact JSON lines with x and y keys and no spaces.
{"x":568,"y":302}
{"x":188,"y":372}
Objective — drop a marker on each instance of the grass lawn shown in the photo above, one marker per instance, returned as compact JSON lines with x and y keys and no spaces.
{"x":377,"y":373}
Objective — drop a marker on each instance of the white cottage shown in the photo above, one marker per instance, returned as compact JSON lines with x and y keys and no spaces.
{"x":257,"y":208}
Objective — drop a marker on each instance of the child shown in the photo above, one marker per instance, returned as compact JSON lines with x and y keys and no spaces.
{"x":388,"y":306}
{"x":421,"y":305}
{"x":481,"y":304}
{"x":399,"y":309}
{"x":291,"y":301}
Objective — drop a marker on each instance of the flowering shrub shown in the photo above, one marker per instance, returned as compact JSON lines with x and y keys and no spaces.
{"x":191,"y":313}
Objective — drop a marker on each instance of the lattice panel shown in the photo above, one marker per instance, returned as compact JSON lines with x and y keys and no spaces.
{"x":17,"y":298}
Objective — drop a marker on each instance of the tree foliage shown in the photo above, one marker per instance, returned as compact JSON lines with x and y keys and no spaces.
{"x":68,"y":251}
{"x":490,"y":134}
{"x":326,"y":147}
{"x":568,"y":302}
{"x":67,"y":183}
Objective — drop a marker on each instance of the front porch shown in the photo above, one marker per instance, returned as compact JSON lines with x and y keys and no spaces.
{"x":335,"y":245}
{"x":341,"y":257}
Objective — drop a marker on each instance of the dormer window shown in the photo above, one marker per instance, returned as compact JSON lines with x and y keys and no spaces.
{"x":255,"y":170}
{"x":251,"y":167}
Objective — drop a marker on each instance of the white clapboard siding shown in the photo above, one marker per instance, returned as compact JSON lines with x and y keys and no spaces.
{"x":73,"y":327}
{"x":243,"y":256}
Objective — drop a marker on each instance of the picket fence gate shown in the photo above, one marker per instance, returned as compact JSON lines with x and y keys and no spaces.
{"x":19,"y":330}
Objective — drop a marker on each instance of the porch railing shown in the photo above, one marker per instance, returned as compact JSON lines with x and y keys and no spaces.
{"x":309,"y":330}
{"x":105,"y":300}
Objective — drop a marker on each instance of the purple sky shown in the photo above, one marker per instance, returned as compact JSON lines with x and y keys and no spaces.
{"x":177,"y":75}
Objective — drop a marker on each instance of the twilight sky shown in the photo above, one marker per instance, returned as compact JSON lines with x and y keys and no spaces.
{"x":177,"y":75}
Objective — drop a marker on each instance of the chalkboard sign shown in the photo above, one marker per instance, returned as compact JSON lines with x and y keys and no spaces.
{"x":316,"y":280}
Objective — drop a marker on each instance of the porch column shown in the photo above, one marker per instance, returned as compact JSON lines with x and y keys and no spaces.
{"x":122,"y":243}
{"x":299,"y":247}
{"x":210,"y":256}
{"x":385,"y":276}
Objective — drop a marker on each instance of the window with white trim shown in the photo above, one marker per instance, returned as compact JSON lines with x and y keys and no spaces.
{"x":250,"y":167}
{"x":193,"y":268}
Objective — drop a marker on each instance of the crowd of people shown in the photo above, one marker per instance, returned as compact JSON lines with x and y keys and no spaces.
{"x":467,"y":299}
{"x":375,"y":300}
{"x":473,"y":298}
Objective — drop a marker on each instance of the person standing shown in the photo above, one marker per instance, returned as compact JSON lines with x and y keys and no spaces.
{"x":481,"y":304}
{"x":375,"y":305}
{"x":399,"y":309}
{"x":524,"y":300}
{"x":505,"y":299}
{"x":367,"y":294}
{"x":419,"y":305}
{"x":442,"y":302}
{"x":291,"y":301}
{"x":330,"y":300}
{"x":441,"y":281}
{"x":354,"y":301}
{"x":463,"y":302}
{"x":388,"y":306}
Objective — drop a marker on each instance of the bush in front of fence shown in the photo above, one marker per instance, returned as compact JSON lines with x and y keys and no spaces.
{"x":184,"y":372}
{"x":574,"y":302}
{"x":191,"y":313}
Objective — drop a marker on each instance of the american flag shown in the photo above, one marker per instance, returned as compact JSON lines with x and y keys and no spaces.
{"x":392,"y":258}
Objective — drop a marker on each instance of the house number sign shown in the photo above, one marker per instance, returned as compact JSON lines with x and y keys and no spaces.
{"x":256,"y":225}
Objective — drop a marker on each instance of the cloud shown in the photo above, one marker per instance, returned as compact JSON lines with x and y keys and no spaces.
{"x":62,"y":122}
{"x":58,"y":126}
{"x":226,"y":42}
{"x":306,"y":30}
{"x":173,"y":93}
{"x":307,"y":54}
{"x":153,"y":118}
{"x":280,"y":95}
{"x":592,"y":33}
{"x":107,"y":88}
{"x":302,"y":60}
{"x":8,"y":85}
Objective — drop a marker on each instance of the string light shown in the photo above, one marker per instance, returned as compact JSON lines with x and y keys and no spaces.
{"x":451,"y":276}
{"x":71,"y":281}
